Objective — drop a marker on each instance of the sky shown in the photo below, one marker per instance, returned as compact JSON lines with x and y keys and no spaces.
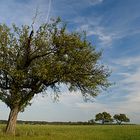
{"x":112,"y":26}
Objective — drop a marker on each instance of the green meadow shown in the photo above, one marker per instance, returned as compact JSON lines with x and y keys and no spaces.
{"x":74,"y":132}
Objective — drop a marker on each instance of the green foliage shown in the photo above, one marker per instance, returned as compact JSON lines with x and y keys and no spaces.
{"x":104,"y":117}
{"x":121,"y":118}
{"x":33,"y":60}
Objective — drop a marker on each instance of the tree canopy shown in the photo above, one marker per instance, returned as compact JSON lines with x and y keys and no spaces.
{"x":31,"y":60}
{"x":103,"y":117}
{"x":121,"y":118}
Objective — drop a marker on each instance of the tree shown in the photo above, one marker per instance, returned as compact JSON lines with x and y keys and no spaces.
{"x":33,"y":60}
{"x":121,"y":118}
{"x":92,"y":121}
{"x":104,"y":117}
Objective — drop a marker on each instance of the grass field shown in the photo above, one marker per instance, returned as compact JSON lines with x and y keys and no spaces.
{"x":74,"y":132}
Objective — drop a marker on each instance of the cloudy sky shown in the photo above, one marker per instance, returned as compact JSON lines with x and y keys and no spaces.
{"x":111,"y":25}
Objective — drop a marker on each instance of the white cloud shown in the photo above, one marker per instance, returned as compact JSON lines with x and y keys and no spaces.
{"x":127,"y":89}
{"x":96,"y":106}
{"x":106,"y":35}
{"x":133,"y":78}
{"x":128,"y":69}
{"x":131,"y":85}
{"x":94,"y":2}
{"x":105,"y":39}
{"x":128,"y":61}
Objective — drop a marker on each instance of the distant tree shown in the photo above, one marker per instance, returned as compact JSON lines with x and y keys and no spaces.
{"x":103,"y":117}
{"x":31,"y":60}
{"x":121,"y":118}
{"x":92,"y":121}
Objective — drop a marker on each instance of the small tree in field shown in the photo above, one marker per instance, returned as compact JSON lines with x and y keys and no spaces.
{"x":103,"y":117}
{"x":92,"y":121}
{"x":33,"y":60}
{"x":121,"y":118}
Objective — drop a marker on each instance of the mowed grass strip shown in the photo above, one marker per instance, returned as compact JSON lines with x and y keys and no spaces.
{"x":74,"y":132}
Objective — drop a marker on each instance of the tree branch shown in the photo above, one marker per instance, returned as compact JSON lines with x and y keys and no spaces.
{"x":27,"y":50}
{"x":42,"y":55}
{"x":49,"y":83}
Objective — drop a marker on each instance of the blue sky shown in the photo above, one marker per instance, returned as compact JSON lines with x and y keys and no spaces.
{"x":111,"y":25}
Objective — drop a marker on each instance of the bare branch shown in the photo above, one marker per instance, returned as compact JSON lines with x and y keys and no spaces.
{"x":34,"y":18}
{"x":46,"y":83}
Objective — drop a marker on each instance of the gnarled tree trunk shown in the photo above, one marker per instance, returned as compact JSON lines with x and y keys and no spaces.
{"x":11,"y":124}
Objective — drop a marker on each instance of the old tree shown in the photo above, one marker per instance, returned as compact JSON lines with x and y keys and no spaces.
{"x":33,"y":60}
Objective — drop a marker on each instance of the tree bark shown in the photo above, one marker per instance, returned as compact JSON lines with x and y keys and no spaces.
{"x":120,"y":122}
{"x":11,"y":124}
{"x":103,"y":121}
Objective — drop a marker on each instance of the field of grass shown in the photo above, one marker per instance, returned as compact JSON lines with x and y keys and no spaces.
{"x":74,"y":132}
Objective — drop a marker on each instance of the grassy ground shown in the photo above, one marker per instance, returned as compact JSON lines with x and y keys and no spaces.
{"x":73,"y":132}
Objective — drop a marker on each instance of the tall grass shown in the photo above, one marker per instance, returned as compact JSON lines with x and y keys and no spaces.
{"x":74,"y":132}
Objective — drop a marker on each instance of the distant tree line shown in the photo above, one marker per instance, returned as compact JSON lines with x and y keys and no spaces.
{"x":105,"y":117}
{"x":49,"y":123}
